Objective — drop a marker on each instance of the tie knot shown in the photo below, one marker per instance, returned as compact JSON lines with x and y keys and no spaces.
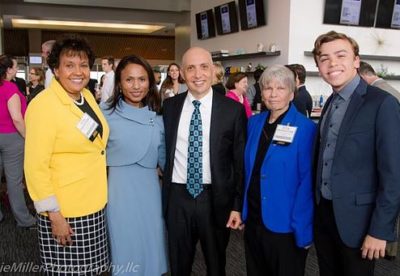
{"x":196,"y":104}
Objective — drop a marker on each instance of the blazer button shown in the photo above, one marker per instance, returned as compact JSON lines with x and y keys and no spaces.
{"x":102,"y":152}
{"x":264,"y":198}
{"x":263,"y":176}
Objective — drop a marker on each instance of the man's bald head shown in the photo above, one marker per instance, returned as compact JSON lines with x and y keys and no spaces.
{"x":198,"y":71}
{"x":193,"y":51}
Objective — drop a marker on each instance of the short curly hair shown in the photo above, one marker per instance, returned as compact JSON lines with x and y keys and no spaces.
{"x":71,"y":45}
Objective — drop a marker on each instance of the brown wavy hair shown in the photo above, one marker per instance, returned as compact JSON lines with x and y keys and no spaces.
{"x":331,"y":36}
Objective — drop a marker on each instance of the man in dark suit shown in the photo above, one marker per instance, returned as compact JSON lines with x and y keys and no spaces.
{"x":369,"y":75}
{"x":92,"y":87}
{"x":21,"y":84}
{"x":205,"y":136}
{"x":357,"y":156}
{"x":302,"y":99}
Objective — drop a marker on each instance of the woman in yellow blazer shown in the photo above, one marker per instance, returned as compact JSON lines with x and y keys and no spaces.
{"x":65,"y":165}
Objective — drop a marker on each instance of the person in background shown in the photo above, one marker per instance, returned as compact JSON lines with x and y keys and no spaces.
{"x":278,"y":206}
{"x":254,"y":92}
{"x":174,"y":83}
{"x":21,"y":84}
{"x":46,"y":49}
{"x":107,"y":64}
{"x":302,"y":99}
{"x":36,"y":83}
{"x":65,"y":164}
{"x":136,"y":148}
{"x":205,"y":134}
{"x":92,"y":86}
{"x":237,"y":85}
{"x":357,"y":158}
{"x":218,"y":80}
{"x":368,"y":74}
{"x":12,"y":134}
{"x":157,"y":75}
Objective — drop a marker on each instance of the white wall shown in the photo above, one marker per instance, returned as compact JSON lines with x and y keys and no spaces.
{"x":293,"y":25}
{"x":306,"y":24}
{"x":275,"y":32}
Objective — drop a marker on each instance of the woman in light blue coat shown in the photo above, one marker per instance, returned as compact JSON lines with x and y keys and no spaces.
{"x":135,"y":150}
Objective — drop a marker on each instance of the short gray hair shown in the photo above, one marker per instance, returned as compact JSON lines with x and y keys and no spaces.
{"x":280,"y":73}
{"x":49,"y":44}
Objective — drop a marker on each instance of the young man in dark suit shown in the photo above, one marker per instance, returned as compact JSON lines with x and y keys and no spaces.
{"x":357,"y":156}
{"x":205,"y":136}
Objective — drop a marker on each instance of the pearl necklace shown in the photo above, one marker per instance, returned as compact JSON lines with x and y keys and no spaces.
{"x":81,"y":101}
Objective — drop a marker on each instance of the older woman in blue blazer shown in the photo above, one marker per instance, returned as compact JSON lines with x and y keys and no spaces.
{"x":278,"y":203}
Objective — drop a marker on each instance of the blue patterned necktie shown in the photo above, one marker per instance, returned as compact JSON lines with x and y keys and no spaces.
{"x":194,"y":183}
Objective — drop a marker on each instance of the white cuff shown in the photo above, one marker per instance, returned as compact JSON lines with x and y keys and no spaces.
{"x":48,"y":204}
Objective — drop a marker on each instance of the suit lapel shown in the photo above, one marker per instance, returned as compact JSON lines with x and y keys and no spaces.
{"x":175,"y":115}
{"x":289,"y":119}
{"x":215,"y":122}
{"x":66,"y":100}
{"x":255,"y":139}
{"x":102,"y":140}
{"x":355,"y":104}
{"x":324,"y":109}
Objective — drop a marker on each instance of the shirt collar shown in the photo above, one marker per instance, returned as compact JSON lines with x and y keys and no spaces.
{"x":110,"y":73}
{"x":375,"y":81}
{"x":348,"y":90}
{"x":206,"y":101}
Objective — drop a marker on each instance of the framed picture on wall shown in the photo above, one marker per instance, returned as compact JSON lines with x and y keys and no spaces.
{"x":396,"y":15}
{"x":252,"y":14}
{"x":226,"y":18}
{"x":205,"y":24}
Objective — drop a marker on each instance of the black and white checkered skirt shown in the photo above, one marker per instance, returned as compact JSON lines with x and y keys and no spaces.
{"x":88,"y":255}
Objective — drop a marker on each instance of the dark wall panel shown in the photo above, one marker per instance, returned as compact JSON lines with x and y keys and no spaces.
{"x":119,"y":45}
{"x":16,"y":42}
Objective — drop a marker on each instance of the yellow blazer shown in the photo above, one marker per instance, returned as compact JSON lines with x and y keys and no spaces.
{"x":60,"y":162}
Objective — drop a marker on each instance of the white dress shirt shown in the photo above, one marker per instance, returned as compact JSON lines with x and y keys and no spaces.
{"x":48,"y":77}
{"x":108,"y":86}
{"x":179,"y":173}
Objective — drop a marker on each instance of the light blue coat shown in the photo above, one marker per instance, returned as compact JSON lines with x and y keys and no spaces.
{"x":134,"y":215}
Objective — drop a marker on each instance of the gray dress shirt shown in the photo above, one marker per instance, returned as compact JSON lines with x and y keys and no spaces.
{"x":329,"y":132}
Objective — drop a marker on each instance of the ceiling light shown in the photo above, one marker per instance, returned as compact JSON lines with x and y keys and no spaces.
{"x":86,"y":26}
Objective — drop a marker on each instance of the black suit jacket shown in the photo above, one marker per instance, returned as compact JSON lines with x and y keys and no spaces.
{"x":303,"y":101}
{"x":365,"y":172}
{"x":21,"y":84}
{"x":227,"y":142}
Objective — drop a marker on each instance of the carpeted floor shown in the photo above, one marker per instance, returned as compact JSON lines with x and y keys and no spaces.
{"x":18,"y":247}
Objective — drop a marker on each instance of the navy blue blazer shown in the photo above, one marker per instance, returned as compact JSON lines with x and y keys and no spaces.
{"x":303,"y":101}
{"x":365,"y":172}
{"x":286,"y":177}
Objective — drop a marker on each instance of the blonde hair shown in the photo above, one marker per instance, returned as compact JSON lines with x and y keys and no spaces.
{"x":219,"y":72}
{"x":39,"y":72}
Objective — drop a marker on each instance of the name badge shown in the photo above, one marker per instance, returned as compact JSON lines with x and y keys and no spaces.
{"x":87,"y":125}
{"x":284,"y":134}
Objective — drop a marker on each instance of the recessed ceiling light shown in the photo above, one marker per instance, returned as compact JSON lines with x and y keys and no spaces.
{"x":87,"y":26}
